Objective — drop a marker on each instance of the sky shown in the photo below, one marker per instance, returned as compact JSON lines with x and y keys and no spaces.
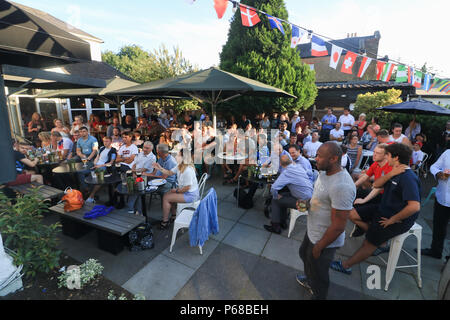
{"x":412,"y":31}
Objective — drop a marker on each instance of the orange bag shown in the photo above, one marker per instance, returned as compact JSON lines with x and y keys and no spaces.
{"x":73,"y":200}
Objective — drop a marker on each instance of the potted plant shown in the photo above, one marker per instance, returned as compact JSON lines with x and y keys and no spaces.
{"x":130,"y":184}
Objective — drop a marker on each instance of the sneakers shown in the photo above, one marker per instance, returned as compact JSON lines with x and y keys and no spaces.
{"x":381,"y":250}
{"x":304,"y":283}
{"x":337,"y":266}
{"x":356,"y":232}
{"x":131,"y":211}
{"x":90,"y":200}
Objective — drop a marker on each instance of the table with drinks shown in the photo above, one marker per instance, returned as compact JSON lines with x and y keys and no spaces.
{"x":257,"y":174}
{"x":109,"y":176}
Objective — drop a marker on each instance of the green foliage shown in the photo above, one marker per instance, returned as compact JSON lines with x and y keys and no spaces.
{"x":88,"y":272}
{"x":24,"y":232}
{"x":144,"y":66}
{"x":265,"y":55}
{"x":111,"y":296}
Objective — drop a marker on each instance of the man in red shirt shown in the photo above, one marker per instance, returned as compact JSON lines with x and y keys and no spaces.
{"x":364,"y":199}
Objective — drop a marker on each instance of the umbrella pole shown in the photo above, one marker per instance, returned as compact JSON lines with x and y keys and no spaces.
{"x":213,"y":111}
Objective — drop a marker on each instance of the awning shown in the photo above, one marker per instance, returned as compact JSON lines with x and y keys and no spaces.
{"x":23,"y":32}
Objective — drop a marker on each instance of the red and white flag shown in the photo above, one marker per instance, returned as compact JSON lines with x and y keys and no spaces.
{"x":349,"y":61}
{"x":221,"y":7}
{"x":365,"y":63}
{"x":336,"y":53}
{"x":249,"y":17}
{"x":380,"y":69}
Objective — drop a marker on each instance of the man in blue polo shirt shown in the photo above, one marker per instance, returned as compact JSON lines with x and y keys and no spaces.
{"x":328,"y":122}
{"x":398,"y":210}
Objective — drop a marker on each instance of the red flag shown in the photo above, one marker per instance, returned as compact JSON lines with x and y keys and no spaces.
{"x":364,"y":65}
{"x":221,"y":7}
{"x":349,"y":61}
{"x":380,"y":69}
{"x":249,"y":16}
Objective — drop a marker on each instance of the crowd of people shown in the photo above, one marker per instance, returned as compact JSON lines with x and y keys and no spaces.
{"x":318,"y":162}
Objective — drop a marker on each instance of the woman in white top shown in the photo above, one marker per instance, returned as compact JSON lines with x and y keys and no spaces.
{"x":397,"y":135}
{"x":187,"y":190}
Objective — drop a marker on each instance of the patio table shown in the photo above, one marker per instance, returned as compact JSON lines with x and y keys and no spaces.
{"x":108,"y":180}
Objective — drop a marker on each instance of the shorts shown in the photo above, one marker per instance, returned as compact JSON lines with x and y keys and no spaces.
{"x":22,"y":178}
{"x":191,"y":196}
{"x":377,"y":234}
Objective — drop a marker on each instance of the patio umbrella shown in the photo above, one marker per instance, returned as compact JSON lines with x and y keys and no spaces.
{"x":213,"y":86}
{"x":418,"y":106}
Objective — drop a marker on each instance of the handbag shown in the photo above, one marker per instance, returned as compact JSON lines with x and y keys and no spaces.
{"x":73,"y":200}
{"x":141,"y":238}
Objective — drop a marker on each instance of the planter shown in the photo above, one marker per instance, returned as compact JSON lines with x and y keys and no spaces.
{"x":130,"y":185}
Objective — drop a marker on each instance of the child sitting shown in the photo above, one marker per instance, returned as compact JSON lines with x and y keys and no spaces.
{"x":417,"y":155}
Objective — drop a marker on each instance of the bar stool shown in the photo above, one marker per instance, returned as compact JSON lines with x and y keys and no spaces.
{"x":295,"y":214}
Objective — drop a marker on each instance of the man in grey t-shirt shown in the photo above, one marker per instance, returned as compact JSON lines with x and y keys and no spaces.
{"x":330,"y":206}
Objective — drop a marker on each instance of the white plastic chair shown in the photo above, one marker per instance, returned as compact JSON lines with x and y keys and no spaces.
{"x":295,"y":214}
{"x":394,"y":254}
{"x":195,"y":204}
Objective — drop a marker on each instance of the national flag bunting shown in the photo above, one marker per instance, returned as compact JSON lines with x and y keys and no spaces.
{"x":275,"y":23}
{"x":297,"y":35}
{"x":336,"y":53}
{"x":436,"y":83}
{"x":349,"y":61}
{"x":417,"y":79}
{"x":411,"y":74}
{"x":365,"y":63}
{"x":443,"y":85}
{"x":387,"y":72}
{"x":221,"y":7}
{"x":318,"y":47}
{"x":402,"y":74}
{"x":249,"y":16}
{"x":427,"y":82}
{"x":380,"y":69}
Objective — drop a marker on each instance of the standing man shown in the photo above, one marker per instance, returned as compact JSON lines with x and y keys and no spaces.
{"x":328,"y":122}
{"x":295,"y":119}
{"x":337,"y":134}
{"x":347,"y":121}
{"x":330,"y":206}
{"x":293,"y":177}
{"x":397,"y":212}
{"x":441,"y":170}
{"x":310,"y":148}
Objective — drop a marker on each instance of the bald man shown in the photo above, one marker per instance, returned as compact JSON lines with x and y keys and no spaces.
{"x":330,"y":206}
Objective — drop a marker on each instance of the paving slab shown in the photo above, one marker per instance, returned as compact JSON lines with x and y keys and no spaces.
{"x":254,"y":218}
{"x":225,"y":226}
{"x":284,"y":251}
{"x":161,"y":279}
{"x":229,"y":211}
{"x":352,"y":281}
{"x":247,"y":238}
{"x":190,"y":256}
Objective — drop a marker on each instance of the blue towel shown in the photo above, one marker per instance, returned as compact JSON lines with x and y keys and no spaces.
{"x":98,"y":211}
{"x":205,"y":220}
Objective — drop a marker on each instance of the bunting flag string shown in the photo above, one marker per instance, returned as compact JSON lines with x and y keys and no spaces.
{"x":385,"y":69}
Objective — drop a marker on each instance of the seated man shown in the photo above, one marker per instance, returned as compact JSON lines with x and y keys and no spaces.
{"x":310,"y":148}
{"x":293,"y":177}
{"x":143,"y":163}
{"x":24,"y":176}
{"x":168,"y":163}
{"x":397,"y":212}
{"x":274,"y":160}
{"x":63,"y":144}
{"x":365,"y":199}
{"x":297,"y":158}
{"x":283,"y":135}
{"x":106,"y":156}
{"x":337,"y":134}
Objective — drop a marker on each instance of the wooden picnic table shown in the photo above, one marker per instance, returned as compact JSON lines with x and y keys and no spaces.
{"x":112,"y":229}
{"x":47,"y":192}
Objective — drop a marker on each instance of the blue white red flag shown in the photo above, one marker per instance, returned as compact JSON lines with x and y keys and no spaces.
{"x":297,"y":35}
{"x":427,"y":82}
{"x":318,"y":48}
{"x":275,"y":23}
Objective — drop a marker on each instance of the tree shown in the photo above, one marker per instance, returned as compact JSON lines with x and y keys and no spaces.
{"x":143,"y":66}
{"x":265,"y":55}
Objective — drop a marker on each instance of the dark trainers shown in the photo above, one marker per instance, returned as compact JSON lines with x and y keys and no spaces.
{"x":304,"y":283}
{"x":337,"y":266}
{"x":357,"y":232}
{"x":276,"y":230}
{"x":381,"y":250}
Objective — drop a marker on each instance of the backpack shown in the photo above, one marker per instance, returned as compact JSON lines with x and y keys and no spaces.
{"x":246,"y":198}
{"x":141,"y":238}
{"x":73,"y":200}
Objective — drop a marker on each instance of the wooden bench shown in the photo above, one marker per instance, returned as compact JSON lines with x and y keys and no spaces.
{"x":112,"y":229}
{"x":46,"y":192}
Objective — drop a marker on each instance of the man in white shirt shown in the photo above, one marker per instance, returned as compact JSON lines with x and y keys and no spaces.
{"x":310,"y":148}
{"x":283,"y":135}
{"x":142,"y":163}
{"x":63,"y":144}
{"x":441,"y":171}
{"x":127,"y":152}
{"x":337,"y":134}
{"x":347,"y":121}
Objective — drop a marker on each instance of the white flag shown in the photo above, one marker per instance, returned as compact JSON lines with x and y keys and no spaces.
{"x":336,"y":53}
